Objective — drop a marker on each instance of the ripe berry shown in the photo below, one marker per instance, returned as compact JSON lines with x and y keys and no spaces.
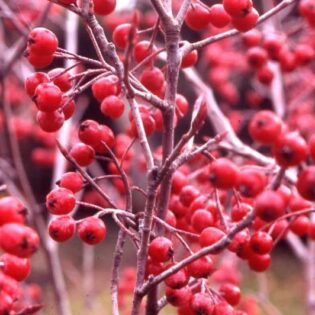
{"x":108,"y":137}
{"x":92,"y":230}
{"x":237,"y":8}
{"x":246,"y":23}
{"x":269,"y":206}
{"x":177,"y":280}
{"x":252,"y":38}
{"x":218,"y":16}
{"x":210,"y":236}
{"x":250,"y":183}
{"x":239,"y":211}
{"x":153,"y":79}
{"x":304,"y":54}
{"x":231,"y":293}
{"x":198,"y":16}
{"x":261,"y":243}
{"x":265,"y":75}
{"x":83,"y":154}
{"x":265,"y":127}
{"x":63,"y":81}
{"x":256,"y":57}
{"x":47,"y":97}
{"x":62,"y":228}
{"x":190,"y":59}
{"x":223,"y":173}
{"x":90,"y":132}
{"x":299,"y":226}
{"x":178,"y":297}
{"x":201,"y":219}
{"x":67,"y":106}
{"x":161,"y":249}
{"x":15,"y":267}
{"x":72,"y":181}
{"x":60,"y":201}
{"x":202,"y":303}
{"x":112,"y":106}
{"x":38,"y":60}
{"x":259,"y":263}
{"x":182,"y":104}
{"x":51,"y":121}
{"x":142,"y":50}
{"x":121,"y":34}
{"x":223,"y":308}
{"x":179,"y":180}
{"x":201,"y":268}
{"x":273,"y":43}
{"x":105,"y":87}
{"x":188,"y":194}
{"x":42,"y":41}
{"x":33,"y":80}
{"x":18,"y":240}
{"x":104,"y":7}
{"x":290,"y":149}
{"x":12,"y":210}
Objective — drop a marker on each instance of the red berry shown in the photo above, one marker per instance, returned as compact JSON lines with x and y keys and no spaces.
{"x":201,"y":268}
{"x":182,"y":104}
{"x":223,"y":173}
{"x":179,"y":180}
{"x":6,"y":303}
{"x":202,"y":303}
{"x":112,"y":106}
{"x":12,"y":210}
{"x":188,"y":194}
{"x":161,"y":249}
{"x":190,"y":59}
{"x":223,"y":308}
{"x":83,"y":154}
{"x":178,"y":297}
{"x":256,"y":57}
{"x":62,"y":228}
{"x":108,"y":137}
{"x":265,"y":127}
{"x":68,"y":107}
{"x":51,"y":121}
{"x":72,"y":181}
{"x":252,"y":38}
{"x":177,"y":280}
{"x":237,"y":8}
{"x":92,"y":230}
{"x":60,"y":201}
{"x":104,"y":7}
{"x":231,"y":293}
{"x":39,"y":60}
{"x":239,"y":211}
{"x":299,"y":226}
{"x":246,"y":23}
{"x":42,"y":41}
{"x":90,"y":132}
{"x":269,"y":206}
{"x":273,"y":43}
{"x":33,"y":80}
{"x":290,"y":149}
{"x":218,"y":16}
{"x":311,"y":145}
{"x":15,"y":267}
{"x":121,"y":34}
{"x":18,"y":240}
{"x":210,"y":236}
{"x":142,"y":50}
{"x":304,"y":54}
{"x":153,"y":79}
{"x":259,"y":263}
{"x":198,"y":16}
{"x":250,"y":183}
{"x":61,"y":79}
{"x":261,"y":243}
{"x":105,"y":87}
{"x":47,"y":97}
{"x":265,"y":75}
{"x":201,"y":219}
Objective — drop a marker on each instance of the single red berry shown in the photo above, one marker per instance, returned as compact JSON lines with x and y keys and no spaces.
{"x":299,"y":226}
{"x":42,"y":41}
{"x":198,"y":16}
{"x":231,"y":293}
{"x":304,"y":54}
{"x":265,"y":127}
{"x":252,"y":38}
{"x":33,"y":80}
{"x":177,"y":280}
{"x":269,"y":206}
{"x":148,"y":124}
{"x":62,"y":228}
{"x":261,"y":243}
{"x":237,"y":8}
{"x":39,"y":60}
{"x":273,"y":43}
{"x":18,"y":240}
{"x":179,"y":180}
{"x":47,"y":97}
{"x":104,"y":7}
{"x":246,"y":23}
{"x":201,"y":303}
{"x":90,"y":132}
{"x":153,"y":79}
{"x":61,"y":79}
{"x":67,"y":106}
{"x":265,"y":75}
{"x":12,"y":210}
{"x":108,"y":137}
{"x":256,"y":56}
{"x":83,"y":154}
{"x":210,"y":236}
{"x":161,"y":249}
{"x":142,"y":50}
{"x":188,"y":194}
{"x":15,"y":267}
{"x":92,"y":230}
{"x":60,"y":201}
{"x":240,"y":211}
{"x":201,"y":219}
{"x":290,"y":149}
{"x":201,"y":268}
{"x":121,"y":35}
{"x":105,"y":87}
{"x":50,"y":121}
{"x":112,"y":106}
{"x":178,"y":297}
{"x":182,"y":104}
{"x":190,"y":59}
{"x":223,"y":173}
{"x":72,"y":181}
{"x":250,"y":183}
{"x":218,"y":16}
{"x":223,"y":308}
{"x":259,"y":263}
